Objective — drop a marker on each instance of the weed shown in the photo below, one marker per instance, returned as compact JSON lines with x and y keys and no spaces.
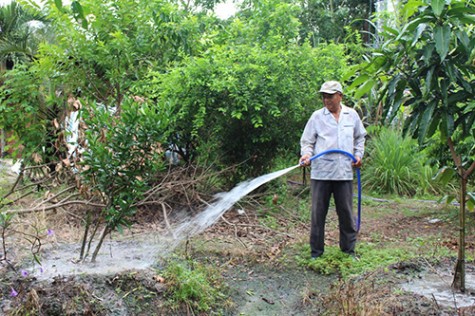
{"x":430,"y":246}
{"x":197,"y":287}
{"x":72,"y":299}
{"x":270,"y":221}
{"x":5,"y":222}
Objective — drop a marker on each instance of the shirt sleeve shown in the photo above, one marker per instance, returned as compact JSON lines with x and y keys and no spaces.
{"x":359,"y":137}
{"x":309,"y":137}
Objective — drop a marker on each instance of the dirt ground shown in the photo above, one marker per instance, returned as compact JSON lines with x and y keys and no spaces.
{"x":256,"y":259}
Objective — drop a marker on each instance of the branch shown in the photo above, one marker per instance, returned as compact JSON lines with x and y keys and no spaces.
{"x":165,"y":217}
{"x":20,"y":176}
{"x":55,"y":196}
{"x":34,"y":184}
{"x":469,"y":171}
{"x":456,"y":159}
{"x":35,"y":167}
{"x":31,"y":210}
{"x":19,"y":198}
{"x":235,"y":231}
{"x":257,"y":226}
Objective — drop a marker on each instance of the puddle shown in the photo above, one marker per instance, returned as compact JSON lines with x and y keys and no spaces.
{"x":436,"y":285}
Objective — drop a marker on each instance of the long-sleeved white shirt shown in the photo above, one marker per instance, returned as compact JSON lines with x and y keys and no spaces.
{"x":323,"y":132}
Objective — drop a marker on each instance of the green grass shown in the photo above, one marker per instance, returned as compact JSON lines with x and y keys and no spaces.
{"x":198,"y":287}
{"x":371,"y":257}
{"x":374,"y":254}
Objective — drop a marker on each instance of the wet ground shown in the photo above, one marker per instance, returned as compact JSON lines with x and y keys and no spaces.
{"x":435,"y":283}
{"x":266,"y":289}
{"x":114,"y":257}
{"x":257,"y":263}
{"x":261,"y":286}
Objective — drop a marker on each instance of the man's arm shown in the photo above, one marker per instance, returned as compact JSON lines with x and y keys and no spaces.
{"x":359,"y":141}
{"x":307,"y":143}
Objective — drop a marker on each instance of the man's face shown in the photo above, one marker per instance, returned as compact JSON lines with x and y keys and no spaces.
{"x":332,"y":101}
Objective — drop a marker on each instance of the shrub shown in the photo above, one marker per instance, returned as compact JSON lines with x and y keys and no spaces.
{"x":122,"y":158}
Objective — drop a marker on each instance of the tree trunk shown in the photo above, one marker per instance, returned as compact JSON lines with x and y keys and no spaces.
{"x":105,"y":232}
{"x":459,"y":275}
{"x":86,"y":233}
{"x":2,"y":143}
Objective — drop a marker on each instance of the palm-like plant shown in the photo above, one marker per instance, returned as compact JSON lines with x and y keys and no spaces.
{"x":21,"y":31}
{"x":18,"y":33}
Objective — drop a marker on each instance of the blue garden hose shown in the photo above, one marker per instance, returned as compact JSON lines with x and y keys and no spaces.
{"x":358,"y":177}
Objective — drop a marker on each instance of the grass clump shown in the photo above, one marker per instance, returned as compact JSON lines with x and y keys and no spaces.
{"x":194,"y":287}
{"x":395,"y":165}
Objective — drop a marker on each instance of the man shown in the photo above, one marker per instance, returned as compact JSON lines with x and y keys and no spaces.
{"x":335,"y":126}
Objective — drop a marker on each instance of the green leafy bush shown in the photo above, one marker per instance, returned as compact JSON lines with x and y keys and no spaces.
{"x":27,"y":115}
{"x":242,"y":94}
{"x":122,"y":158}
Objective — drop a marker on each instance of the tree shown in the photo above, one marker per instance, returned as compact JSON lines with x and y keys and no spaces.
{"x":324,"y":20}
{"x":20,"y":32}
{"x":105,"y":48}
{"x":249,"y":95}
{"x":19,"y":38}
{"x":101,"y":52}
{"x":428,"y":66}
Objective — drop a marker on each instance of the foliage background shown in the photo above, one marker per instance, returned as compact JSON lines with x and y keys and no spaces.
{"x":152,"y":76}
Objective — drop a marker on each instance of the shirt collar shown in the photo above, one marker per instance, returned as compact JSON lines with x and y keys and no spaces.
{"x":344,"y":109}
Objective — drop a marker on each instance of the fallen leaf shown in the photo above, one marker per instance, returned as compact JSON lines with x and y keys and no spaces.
{"x":77,"y":105}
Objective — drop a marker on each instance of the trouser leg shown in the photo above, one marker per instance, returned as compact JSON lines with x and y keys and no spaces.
{"x":321,"y":192}
{"x":343,"y":194}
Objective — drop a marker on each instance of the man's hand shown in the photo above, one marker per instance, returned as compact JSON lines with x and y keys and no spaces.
{"x":304,"y":161}
{"x":358,"y":162}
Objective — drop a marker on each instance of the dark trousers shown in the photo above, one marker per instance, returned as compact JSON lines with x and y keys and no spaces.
{"x":342,"y":192}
